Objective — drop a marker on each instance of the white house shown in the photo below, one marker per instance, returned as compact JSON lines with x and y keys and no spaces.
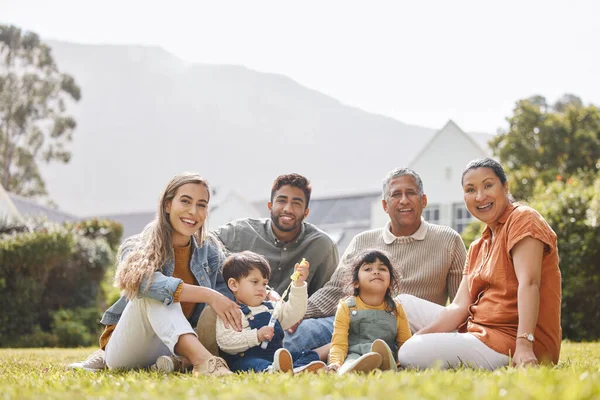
{"x":440,"y":164}
{"x":7,"y":207}
{"x":229,"y":206}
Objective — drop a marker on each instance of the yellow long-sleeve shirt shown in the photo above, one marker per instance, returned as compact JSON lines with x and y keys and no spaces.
{"x":341,"y":327}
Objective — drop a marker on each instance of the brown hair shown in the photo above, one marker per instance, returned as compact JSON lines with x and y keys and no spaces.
{"x":239,"y":265}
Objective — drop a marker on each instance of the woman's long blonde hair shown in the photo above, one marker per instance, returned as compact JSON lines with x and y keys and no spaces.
{"x":143,"y":254}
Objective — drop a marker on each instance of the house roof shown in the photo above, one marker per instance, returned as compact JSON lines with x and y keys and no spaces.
{"x":133,"y":223}
{"x":342,"y":217}
{"x":7,"y":206}
{"x":335,"y":210}
{"x":479,"y":140}
{"x":29,"y":208}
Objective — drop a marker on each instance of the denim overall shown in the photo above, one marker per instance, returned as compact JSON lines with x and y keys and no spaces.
{"x":257,"y":359}
{"x":368,"y":325}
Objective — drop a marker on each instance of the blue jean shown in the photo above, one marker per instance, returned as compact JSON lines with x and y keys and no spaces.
{"x":312,"y":333}
{"x":257,"y":364}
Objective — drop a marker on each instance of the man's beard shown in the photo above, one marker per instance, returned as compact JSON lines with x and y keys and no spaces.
{"x":275,"y":220}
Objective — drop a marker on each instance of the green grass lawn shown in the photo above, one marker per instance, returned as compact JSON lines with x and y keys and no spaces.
{"x":40,"y":373}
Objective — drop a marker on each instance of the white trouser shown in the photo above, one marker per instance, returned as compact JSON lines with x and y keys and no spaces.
{"x":442,"y":350}
{"x":146,"y":330}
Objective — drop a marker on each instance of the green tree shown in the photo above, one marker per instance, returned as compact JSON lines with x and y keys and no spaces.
{"x":34,"y":125}
{"x":572,"y":208}
{"x":546,"y":142}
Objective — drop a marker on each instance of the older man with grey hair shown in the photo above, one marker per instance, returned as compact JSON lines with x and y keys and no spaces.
{"x":428,"y":258}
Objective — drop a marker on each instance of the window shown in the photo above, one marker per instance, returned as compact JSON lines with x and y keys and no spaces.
{"x":432,"y":213}
{"x":460,"y":217}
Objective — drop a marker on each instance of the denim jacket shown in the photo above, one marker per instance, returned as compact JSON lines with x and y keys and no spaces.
{"x":206,"y":265}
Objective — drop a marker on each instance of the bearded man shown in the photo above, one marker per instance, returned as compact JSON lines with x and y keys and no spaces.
{"x":285,"y":239}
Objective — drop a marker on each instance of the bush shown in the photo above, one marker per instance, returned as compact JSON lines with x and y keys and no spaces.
{"x":26,"y":261}
{"x":54,"y":267}
{"x":80,"y":277}
{"x":70,"y":328}
{"x":37,"y":338}
{"x":94,"y":228}
{"x":572,"y":208}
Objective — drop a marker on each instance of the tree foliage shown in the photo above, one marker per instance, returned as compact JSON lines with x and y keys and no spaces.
{"x":34,"y":124}
{"x":572,"y":208}
{"x":549,"y":141}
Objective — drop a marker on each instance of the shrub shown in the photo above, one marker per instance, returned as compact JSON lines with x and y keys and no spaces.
{"x":80,"y":277}
{"x":94,"y":228}
{"x":54,"y":267}
{"x":70,"y":328}
{"x":37,"y":338}
{"x":26,"y":261}
{"x":572,"y":208}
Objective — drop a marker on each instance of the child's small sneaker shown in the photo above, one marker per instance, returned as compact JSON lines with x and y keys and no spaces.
{"x":167,"y":364}
{"x":213,"y":366}
{"x":388,"y":363}
{"x":314,"y":367}
{"x":365,"y":363}
{"x":282,"y":361}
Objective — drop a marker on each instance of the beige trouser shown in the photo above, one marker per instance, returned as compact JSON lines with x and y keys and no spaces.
{"x":146,"y":330}
{"x":442,"y":350}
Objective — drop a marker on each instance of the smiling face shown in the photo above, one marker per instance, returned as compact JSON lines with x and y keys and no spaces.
{"x":485,"y":196}
{"x":250,"y":290}
{"x":288,"y":210}
{"x":373,"y":278}
{"x":404,"y":204}
{"x":187,"y":212}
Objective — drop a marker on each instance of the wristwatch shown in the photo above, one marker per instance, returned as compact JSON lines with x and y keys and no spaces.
{"x":528,"y":336}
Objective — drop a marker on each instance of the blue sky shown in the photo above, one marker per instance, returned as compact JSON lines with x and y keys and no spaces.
{"x":419,"y":62}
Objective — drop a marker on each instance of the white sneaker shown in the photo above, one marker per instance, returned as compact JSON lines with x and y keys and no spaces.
{"x":282,"y":361}
{"x":314,"y":366}
{"x":167,"y":364}
{"x":365,"y":363}
{"x":388,"y":363}
{"x":95,"y":362}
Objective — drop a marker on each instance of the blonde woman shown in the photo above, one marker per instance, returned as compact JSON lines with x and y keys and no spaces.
{"x":167,"y":274}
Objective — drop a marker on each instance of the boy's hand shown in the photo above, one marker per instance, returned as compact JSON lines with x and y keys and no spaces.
{"x":302,"y":269}
{"x":333,"y":367}
{"x":265,"y":333}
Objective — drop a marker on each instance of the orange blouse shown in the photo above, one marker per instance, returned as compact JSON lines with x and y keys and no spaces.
{"x":493,"y":314}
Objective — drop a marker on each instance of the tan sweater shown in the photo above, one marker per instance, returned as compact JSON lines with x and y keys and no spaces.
{"x":429,"y":265}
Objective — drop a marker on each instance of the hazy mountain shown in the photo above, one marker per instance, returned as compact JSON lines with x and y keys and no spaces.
{"x":146,"y":115}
